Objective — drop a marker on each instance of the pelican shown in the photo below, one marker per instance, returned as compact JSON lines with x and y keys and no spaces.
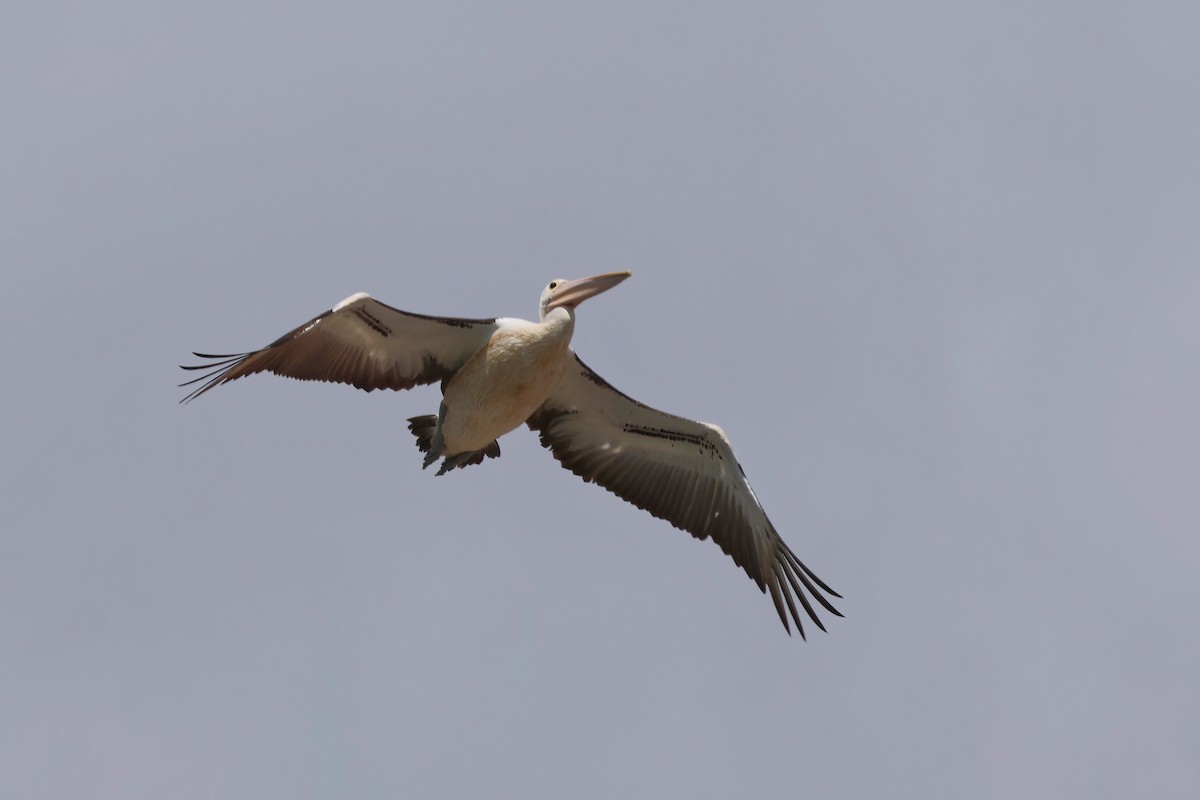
{"x":496,"y":374}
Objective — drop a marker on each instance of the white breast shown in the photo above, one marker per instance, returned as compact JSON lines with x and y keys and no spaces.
{"x":504,"y":383}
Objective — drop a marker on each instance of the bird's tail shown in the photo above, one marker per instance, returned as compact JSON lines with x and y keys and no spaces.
{"x":424,"y":428}
{"x":429,"y":442}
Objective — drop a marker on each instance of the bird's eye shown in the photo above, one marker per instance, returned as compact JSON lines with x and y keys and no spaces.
{"x":553,"y":284}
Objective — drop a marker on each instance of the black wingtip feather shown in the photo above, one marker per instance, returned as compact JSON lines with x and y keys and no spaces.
{"x":218,"y":369}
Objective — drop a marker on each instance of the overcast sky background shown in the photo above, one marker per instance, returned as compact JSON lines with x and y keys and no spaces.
{"x":933,"y":266}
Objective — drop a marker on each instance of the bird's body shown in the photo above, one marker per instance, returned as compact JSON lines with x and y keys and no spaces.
{"x":505,"y":381}
{"x":499,"y":373}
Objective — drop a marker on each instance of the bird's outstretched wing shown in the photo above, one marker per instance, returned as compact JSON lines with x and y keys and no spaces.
{"x":360,"y":341}
{"x":679,"y":470}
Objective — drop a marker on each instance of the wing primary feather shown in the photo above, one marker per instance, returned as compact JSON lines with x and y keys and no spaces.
{"x":217,"y":369}
{"x":230,"y":360}
{"x":218,"y":374}
{"x":780,"y":571}
{"x":814,"y":578}
{"x":773,"y":586}
{"x":791,"y":578}
{"x":197,"y":380}
{"x":803,"y":573}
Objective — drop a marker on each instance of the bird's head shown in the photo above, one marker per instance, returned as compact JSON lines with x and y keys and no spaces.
{"x":561,"y":293}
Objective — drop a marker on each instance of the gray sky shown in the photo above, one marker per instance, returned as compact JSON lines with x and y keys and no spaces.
{"x":933,"y":266}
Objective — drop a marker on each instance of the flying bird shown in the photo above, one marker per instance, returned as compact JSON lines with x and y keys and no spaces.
{"x":496,"y":374}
